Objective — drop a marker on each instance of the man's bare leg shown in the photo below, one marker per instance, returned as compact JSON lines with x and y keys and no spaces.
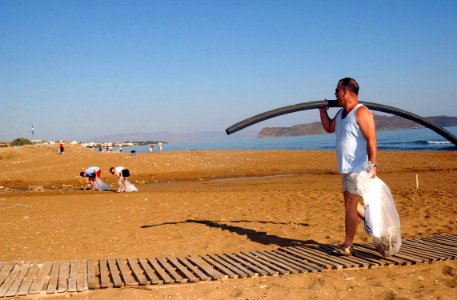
{"x":351,"y":206}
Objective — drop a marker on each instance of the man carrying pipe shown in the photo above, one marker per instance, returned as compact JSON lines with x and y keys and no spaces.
{"x":355,"y":145}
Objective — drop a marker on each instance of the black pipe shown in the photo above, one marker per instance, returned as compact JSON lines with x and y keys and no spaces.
{"x":333,"y":103}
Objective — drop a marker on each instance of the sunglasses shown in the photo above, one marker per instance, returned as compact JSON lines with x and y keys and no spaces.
{"x":336,"y":91}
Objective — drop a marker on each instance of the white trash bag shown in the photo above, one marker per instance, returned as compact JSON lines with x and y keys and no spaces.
{"x":381,"y":217}
{"x":99,"y":185}
{"x":129,"y":187}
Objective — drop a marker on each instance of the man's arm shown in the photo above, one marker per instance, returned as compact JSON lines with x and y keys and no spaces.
{"x":327,"y":123}
{"x":367,"y":126}
{"x":120,"y":183}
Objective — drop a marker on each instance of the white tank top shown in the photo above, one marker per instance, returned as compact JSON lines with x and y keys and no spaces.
{"x":351,"y":146}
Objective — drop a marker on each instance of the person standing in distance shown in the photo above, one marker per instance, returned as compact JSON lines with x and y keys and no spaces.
{"x":355,"y":146}
{"x":61,"y":147}
{"x":122,"y":173}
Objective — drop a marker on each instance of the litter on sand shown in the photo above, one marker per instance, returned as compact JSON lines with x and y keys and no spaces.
{"x":99,"y":185}
{"x":129,"y":187}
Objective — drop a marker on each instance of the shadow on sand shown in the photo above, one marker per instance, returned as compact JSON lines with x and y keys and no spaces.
{"x":253,"y":235}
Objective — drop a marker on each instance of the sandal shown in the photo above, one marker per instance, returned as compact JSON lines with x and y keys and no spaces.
{"x":342,"y":250}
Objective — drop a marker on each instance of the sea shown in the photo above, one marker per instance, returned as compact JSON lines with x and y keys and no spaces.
{"x":418,"y":139}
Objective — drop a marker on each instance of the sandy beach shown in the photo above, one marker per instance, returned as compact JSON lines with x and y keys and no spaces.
{"x":199,"y":202}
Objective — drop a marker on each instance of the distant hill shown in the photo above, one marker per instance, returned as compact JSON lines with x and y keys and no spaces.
{"x":382,"y":123}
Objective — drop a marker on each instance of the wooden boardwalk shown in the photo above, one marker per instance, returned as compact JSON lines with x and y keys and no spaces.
{"x":31,"y":277}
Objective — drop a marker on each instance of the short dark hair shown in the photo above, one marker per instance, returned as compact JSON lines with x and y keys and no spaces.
{"x":350,"y":84}
{"x":111,"y":170}
{"x":82,"y":174}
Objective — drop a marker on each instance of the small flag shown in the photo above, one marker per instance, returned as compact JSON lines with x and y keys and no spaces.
{"x":33,"y":130}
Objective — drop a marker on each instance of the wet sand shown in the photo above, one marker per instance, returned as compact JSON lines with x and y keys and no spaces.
{"x":198,"y":202}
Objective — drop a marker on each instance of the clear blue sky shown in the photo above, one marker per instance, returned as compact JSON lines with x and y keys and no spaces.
{"x":82,"y":69}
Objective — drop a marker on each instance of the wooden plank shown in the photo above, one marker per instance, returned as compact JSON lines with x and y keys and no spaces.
{"x":414,"y":260}
{"x":436,"y":251}
{"x":418,"y":253}
{"x":310,"y":258}
{"x":293,"y":267}
{"x":7,"y":268}
{"x":126,"y":273}
{"x":149,"y":272}
{"x":406,"y":258}
{"x":115,"y":273}
{"x":162,"y":273}
{"x":206,"y":267}
{"x":40,"y":279}
{"x":438,"y":244}
{"x":313,"y":256}
{"x":27,"y":282}
{"x":304,"y":259}
{"x":451,"y":252}
{"x":10,"y":280}
{"x":372,"y":258}
{"x":189,"y":275}
{"x":171,"y":270}
{"x":338,"y":260}
{"x":248,"y":264}
{"x":412,"y":255}
{"x":449,"y":237}
{"x":276,"y":261}
{"x":137,"y":271}
{"x":81,"y":276}
{"x":200,"y":274}
{"x":92,"y":280}
{"x":229,"y":260}
{"x":360,"y":262}
{"x":73,"y":276}
{"x":220,"y":267}
{"x":12,"y":291}
{"x":422,"y":250}
{"x":440,"y":241}
{"x":86,"y":279}
{"x":253,"y":271}
{"x":271,"y":268}
{"x":304,"y":264}
{"x":105,"y":280}
{"x":424,"y":246}
{"x":64,"y":273}
{"x":369,"y":253}
{"x":53,"y":278}
{"x":231,"y":267}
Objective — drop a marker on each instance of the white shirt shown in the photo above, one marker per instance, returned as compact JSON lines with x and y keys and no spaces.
{"x":351,"y":145}
{"x":118,"y":170}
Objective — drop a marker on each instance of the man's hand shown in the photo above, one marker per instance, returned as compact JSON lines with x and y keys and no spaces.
{"x":372,"y":168}
{"x":374,"y":173}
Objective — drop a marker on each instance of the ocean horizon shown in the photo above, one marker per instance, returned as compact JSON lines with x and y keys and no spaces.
{"x":417,"y":139}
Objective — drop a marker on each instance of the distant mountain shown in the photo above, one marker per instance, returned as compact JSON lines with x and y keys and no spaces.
{"x":382,"y":123}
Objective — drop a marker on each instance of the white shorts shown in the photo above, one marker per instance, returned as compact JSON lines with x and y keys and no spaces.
{"x":350,"y":184}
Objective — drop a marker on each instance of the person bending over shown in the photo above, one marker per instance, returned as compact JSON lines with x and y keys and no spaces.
{"x":122,"y":174}
{"x":91,"y":174}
